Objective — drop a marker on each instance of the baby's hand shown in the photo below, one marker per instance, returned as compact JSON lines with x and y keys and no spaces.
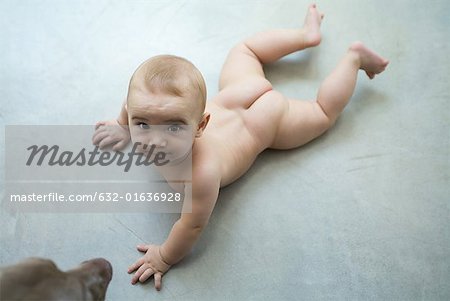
{"x":149,"y":264}
{"x":110,"y":132}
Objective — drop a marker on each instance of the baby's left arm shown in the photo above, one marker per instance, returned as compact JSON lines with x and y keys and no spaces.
{"x":184,"y":234}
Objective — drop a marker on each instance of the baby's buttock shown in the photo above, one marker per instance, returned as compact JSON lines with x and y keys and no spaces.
{"x":259,"y":121}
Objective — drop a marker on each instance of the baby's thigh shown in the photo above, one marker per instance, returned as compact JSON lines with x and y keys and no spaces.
{"x":263,"y":116}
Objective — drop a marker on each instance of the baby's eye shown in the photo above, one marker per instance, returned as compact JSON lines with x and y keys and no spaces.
{"x":174,"y":128}
{"x":143,"y":125}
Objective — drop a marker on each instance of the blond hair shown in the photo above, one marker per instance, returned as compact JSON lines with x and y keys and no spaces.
{"x":173,"y":75}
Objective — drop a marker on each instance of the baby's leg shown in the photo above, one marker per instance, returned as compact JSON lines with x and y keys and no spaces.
{"x":338,"y":87}
{"x":272,"y":45}
{"x":244,"y":62}
{"x":304,"y":121}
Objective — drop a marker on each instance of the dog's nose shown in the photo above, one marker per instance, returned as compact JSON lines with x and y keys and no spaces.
{"x":104,"y":267}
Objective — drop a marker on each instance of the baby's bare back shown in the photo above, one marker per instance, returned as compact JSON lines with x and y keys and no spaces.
{"x":236,"y":135}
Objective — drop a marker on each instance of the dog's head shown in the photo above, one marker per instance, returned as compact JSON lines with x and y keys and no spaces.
{"x":40,"y":279}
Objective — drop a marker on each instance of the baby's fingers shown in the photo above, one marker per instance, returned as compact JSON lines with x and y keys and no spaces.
{"x":143,"y":248}
{"x":135,"y":265}
{"x":105,"y":142}
{"x":158,"y":280}
{"x":98,"y":136}
{"x":119,"y":145}
{"x":99,"y":124}
{"x":138,"y":274}
{"x":148,"y":272}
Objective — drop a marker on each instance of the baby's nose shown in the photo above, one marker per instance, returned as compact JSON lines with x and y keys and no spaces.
{"x":158,"y":141}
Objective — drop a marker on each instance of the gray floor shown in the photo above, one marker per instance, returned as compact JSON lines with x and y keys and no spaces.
{"x":362,"y":213}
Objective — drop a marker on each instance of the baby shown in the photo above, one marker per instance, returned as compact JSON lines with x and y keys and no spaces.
{"x":246,"y":117}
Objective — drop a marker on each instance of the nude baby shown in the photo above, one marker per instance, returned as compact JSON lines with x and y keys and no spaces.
{"x":246,"y":117}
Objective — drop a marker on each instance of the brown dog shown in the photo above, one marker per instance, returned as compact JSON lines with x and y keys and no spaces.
{"x":40,"y":279}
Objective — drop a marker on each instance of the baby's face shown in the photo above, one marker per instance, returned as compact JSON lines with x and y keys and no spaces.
{"x":168,"y":122}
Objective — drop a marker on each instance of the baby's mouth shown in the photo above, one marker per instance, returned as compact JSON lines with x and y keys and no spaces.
{"x":154,"y":153}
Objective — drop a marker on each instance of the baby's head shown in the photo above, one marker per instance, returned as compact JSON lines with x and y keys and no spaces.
{"x":166,"y":103}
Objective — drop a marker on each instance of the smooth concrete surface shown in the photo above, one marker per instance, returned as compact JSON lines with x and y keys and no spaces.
{"x":362,"y":213}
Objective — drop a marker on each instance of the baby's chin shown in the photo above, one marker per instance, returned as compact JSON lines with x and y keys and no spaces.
{"x":176,"y":159}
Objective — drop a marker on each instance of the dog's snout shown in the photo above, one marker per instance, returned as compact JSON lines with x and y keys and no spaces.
{"x":102,"y":265}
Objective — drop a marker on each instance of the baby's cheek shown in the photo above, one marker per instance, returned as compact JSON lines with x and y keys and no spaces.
{"x":182,"y":147}
{"x":135,"y":137}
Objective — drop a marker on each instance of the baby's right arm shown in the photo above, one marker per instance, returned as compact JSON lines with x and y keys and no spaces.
{"x":113,"y":132}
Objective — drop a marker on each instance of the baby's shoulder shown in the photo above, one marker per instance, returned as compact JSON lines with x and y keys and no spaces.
{"x":206,"y":178}
{"x":205,"y":166}
{"x":206,"y":171}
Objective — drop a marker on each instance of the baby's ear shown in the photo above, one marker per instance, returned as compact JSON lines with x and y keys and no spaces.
{"x":202,"y":125}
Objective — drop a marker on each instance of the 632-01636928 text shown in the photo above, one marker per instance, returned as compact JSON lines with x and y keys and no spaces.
{"x":99,"y":197}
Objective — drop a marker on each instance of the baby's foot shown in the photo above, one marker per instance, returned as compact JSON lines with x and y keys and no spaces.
{"x":370,"y":61}
{"x":311,"y":26}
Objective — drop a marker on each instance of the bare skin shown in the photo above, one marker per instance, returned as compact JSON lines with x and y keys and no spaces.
{"x":246,"y":117}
